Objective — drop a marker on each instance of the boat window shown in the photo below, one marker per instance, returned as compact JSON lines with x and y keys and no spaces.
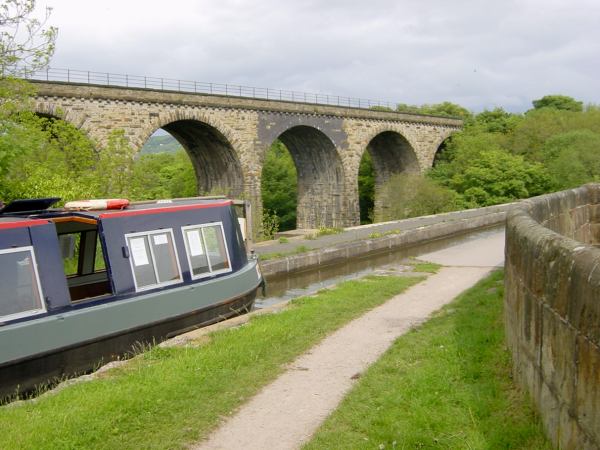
{"x":206,"y":250}
{"x":81,"y":252}
{"x":69,"y":246}
{"x":20,"y":290}
{"x":153,"y":259}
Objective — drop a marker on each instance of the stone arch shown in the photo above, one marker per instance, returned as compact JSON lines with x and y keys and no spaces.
{"x":391,"y":154}
{"x":440,"y":147}
{"x":52,"y":110}
{"x":320,"y":177}
{"x":211,"y":148}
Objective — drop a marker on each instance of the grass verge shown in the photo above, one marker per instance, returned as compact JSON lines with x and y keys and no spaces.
{"x":424,"y":266}
{"x":445,"y":385}
{"x":169,"y":397}
{"x":274,"y":255}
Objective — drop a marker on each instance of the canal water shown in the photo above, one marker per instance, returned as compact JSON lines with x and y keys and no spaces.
{"x":285,"y":287}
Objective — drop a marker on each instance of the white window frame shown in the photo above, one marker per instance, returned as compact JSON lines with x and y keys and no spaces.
{"x":210,"y":272}
{"x":158,"y":284}
{"x":29,"y":312}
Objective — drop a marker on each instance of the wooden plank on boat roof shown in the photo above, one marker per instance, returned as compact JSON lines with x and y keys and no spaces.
{"x":74,"y":219}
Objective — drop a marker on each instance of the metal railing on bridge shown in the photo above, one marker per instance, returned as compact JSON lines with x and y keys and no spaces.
{"x":198,"y":87}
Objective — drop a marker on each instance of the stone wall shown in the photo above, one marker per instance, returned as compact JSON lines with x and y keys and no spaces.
{"x":552,"y":311}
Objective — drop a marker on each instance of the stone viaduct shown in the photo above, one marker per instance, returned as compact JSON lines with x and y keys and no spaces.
{"x":227,"y":138}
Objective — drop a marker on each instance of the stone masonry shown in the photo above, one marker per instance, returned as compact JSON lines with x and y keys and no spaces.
{"x":227,"y":138}
{"x":552,"y":311}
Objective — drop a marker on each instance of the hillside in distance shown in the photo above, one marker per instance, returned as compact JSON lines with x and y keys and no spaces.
{"x":161,"y":144}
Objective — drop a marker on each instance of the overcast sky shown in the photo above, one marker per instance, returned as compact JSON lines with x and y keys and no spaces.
{"x":478,"y":53}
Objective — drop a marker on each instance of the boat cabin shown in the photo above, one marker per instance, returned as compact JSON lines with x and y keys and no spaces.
{"x":54,"y":260}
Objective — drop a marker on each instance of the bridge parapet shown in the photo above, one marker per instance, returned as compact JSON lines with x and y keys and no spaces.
{"x":552,"y":310}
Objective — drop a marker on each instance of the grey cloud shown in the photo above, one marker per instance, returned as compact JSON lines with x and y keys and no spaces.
{"x":478,"y":53}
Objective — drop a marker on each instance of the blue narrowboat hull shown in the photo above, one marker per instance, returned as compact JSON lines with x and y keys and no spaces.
{"x":53,"y":346}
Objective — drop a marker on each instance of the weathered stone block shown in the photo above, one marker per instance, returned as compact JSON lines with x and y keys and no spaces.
{"x":558,"y":356}
{"x":587,"y":402}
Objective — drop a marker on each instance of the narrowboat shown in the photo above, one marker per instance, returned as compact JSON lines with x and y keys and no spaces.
{"x":81,"y":286}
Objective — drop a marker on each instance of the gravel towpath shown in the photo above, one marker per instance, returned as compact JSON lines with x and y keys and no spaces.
{"x":285,"y":413}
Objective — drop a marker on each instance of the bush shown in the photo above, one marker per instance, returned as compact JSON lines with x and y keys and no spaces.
{"x":412,"y":195}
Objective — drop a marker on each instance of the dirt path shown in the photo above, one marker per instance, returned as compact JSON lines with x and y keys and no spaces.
{"x":285,"y":413}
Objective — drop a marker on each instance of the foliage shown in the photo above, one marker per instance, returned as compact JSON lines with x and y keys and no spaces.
{"x":327,"y":231}
{"x":279,"y":185}
{"x":437,"y":109}
{"x":25,"y":45}
{"x":366,"y":188}
{"x":275,"y":255}
{"x":381,"y":108}
{"x":484,"y":174}
{"x":495,"y":121}
{"x":115,"y":166}
{"x":270,"y":224}
{"x":424,"y":266}
{"x":561,"y":102}
{"x":446,"y":109}
{"x":573,"y":158}
{"x":42,"y":157}
{"x":15,"y":96}
{"x":538,"y":125}
{"x":411,"y":195}
{"x":163,"y":175}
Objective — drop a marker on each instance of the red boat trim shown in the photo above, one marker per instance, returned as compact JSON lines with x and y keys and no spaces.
{"x":165,"y":209}
{"x":23,"y":224}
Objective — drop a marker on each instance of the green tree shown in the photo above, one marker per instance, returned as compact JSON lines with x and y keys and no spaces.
{"x":406,"y":108}
{"x":280,"y":185}
{"x":49,"y":157}
{"x":573,"y":158}
{"x":366,"y":188}
{"x":496,"y":121}
{"x":115,"y":166}
{"x":539,"y":125}
{"x":381,"y":108}
{"x":437,"y":109}
{"x":25,"y":45}
{"x":491,"y":176}
{"x":412,"y":195}
{"x":446,"y":109}
{"x":163,"y":175}
{"x":560,"y":102}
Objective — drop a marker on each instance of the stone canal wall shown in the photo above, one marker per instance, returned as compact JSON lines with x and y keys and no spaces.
{"x":552,"y":310}
{"x":358,"y":243}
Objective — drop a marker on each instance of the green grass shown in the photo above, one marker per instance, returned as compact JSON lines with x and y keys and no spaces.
{"x":445,"y":385}
{"x":326,"y":231}
{"x":274,"y":255}
{"x":425,"y":267}
{"x":377,"y":234}
{"x":169,"y":397}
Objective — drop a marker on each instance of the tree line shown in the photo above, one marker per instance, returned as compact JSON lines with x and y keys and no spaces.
{"x":500,"y":157}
